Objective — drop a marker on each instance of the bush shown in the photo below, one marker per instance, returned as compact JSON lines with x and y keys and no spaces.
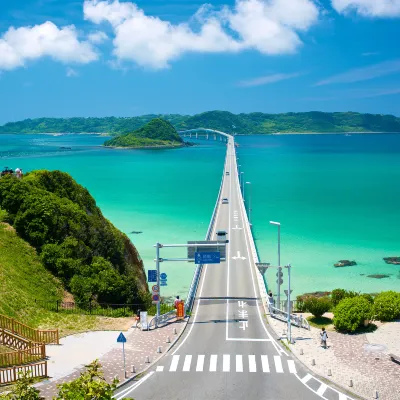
{"x":387,"y":306}
{"x":339,"y":294}
{"x":23,"y":389}
{"x":351,"y":313}
{"x":317,"y":306}
{"x":300,"y":303}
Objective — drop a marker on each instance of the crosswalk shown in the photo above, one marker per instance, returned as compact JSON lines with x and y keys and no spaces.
{"x":226,"y":363}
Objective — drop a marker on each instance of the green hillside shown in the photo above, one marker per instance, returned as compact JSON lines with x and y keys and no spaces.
{"x":253,"y":123}
{"x":156,"y":133}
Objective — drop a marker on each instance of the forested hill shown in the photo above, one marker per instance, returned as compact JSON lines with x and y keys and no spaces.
{"x":60,"y":219}
{"x":253,"y":123}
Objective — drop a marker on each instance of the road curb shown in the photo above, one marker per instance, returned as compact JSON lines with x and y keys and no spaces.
{"x":130,"y":379}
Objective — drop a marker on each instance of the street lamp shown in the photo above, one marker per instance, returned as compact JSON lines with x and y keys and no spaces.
{"x":249,"y":207}
{"x":278,"y":224}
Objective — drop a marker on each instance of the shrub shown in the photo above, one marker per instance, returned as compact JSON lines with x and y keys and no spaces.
{"x":339,"y":294}
{"x":387,"y":306}
{"x":317,"y":306}
{"x":350,"y":313}
{"x":300,"y":303}
{"x":23,"y":389}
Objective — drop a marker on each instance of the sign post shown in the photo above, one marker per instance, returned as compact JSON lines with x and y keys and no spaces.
{"x":122,"y":339}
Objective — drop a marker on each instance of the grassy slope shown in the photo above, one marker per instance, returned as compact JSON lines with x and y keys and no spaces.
{"x":23,"y":279}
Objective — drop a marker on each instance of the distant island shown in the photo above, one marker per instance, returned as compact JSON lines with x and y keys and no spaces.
{"x":157,"y":133}
{"x":243,"y":124}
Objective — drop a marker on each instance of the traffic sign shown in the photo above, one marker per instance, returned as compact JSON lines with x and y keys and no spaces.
{"x":152,"y":275}
{"x":156,"y":297}
{"x":279,"y":274}
{"x":211,"y":257}
{"x":155,"y":289}
{"x":121,"y":338}
{"x":163,"y":283}
{"x":280,"y":281}
{"x":163,"y":276}
{"x":286,"y":292}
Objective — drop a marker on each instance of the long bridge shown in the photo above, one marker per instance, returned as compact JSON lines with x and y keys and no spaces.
{"x":228,"y":350}
{"x":204,"y":133}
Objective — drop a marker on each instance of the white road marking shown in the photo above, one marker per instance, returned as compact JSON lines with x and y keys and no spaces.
{"x":239,"y":363}
{"x":132,"y":388}
{"x":186,"y":364}
{"x":252,"y":363}
{"x":306,"y":378}
{"x":239,"y":257}
{"x":237,"y":228}
{"x":200,"y":363}
{"x":213,"y":363}
{"x":226,"y":365}
{"x":321,"y":389}
{"x":342,"y":396}
{"x":264,"y":363}
{"x":229,"y":251}
{"x":278,"y":364}
{"x":174,"y":363}
{"x":248,"y":340}
{"x":292,"y":366}
{"x":160,"y":368}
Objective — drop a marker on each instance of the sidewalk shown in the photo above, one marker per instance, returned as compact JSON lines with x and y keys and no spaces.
{"x":362,"y":358}
{"x":67,"y":361}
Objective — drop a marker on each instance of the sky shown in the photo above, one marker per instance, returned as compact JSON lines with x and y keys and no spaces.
{"x":94,"y":58}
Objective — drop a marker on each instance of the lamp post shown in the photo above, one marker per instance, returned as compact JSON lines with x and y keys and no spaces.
{"x":249,"y":206}
{"x":278,"y":224}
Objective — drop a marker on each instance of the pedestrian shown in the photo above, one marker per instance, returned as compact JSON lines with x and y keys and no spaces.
{"x":324,"y":337}
{"x":176,"y":302}
{"x":270,"y":302}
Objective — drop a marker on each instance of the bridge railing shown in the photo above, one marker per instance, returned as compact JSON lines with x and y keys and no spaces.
{"x":295,"y":319}
{"x":199,"y":268}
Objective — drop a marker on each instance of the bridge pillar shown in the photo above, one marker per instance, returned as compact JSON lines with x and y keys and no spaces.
{"x":207,"y":136}
{"x":190,"y":134}
{"x":215,"y":137}
{"x":197,"y":135}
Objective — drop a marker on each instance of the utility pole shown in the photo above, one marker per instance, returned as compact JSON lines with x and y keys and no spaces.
{"x":158,"y":245}
{"x":278,"y":281}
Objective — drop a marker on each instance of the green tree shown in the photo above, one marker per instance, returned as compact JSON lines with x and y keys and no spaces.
{"x":317,"y":306}
{"x":91,"y":385}
{"x":387,"y":306}
{"x":351,"y":313}
{"x":23,"y":390}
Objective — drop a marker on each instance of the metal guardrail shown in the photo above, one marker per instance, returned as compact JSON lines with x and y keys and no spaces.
{"x":162,"y":319}
{"x":295,"y":319}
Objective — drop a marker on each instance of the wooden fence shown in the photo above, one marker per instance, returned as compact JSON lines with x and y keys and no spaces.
{"x":12,"y":374}
{"x":35,"y":353}
{"x":49,"y":336}
{"x":14,"y":342}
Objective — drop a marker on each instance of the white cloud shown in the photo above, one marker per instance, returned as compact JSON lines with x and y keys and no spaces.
{"x":364,"y":74}
{"x":97,"y":37}
{"x":265,"y":80}
{"x":369,"y":8}
{"x":71,"y":73}
{"x":268,"y":26}
{"x":29,"y":43}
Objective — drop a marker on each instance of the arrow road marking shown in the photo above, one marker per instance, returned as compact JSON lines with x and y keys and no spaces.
{"x":238,"y":257}
{"x":237,"y":228}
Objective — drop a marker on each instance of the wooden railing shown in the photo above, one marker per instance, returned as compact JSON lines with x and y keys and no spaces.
{"x":49,"y":336}
{"x":12,"y":374}
{"x":19,"y":357}
{"x":8,"y":339}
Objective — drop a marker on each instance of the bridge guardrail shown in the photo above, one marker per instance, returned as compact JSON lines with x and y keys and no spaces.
{"x":295,"y":319}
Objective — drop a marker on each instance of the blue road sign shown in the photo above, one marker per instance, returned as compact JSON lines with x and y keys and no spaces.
{"x":121,"y":338}
{"x":152,"y":275}
{"x":163,"y":276}
{"x":213,"y":257}
{"x":163,"y":283}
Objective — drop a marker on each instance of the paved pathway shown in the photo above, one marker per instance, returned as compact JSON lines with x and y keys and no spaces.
{"x":351,"y":357}
{"x":139,"y":345}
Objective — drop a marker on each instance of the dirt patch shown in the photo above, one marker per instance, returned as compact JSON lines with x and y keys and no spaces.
{"x":68,"y":297}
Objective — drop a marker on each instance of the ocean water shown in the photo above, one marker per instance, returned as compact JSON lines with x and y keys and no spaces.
{"x":336,"y":196}
{"x":168,"y":195}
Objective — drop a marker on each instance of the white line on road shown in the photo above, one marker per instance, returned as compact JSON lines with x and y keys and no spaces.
{"x":226,"y":364}
{"x":174,"y":363}
{"x":342,"y":396}
{"x":132,"y":388}
{"x":306,"y":378}
{"x":252,"y":363}
{"x":292,"y":366}
{"x":200,"y":363}
{"x":278,"y":364}
{"x":247,"y":340}
{"x":264,"y":363}
{"x":213,"y":363}
{"x":322,"y":389}
{"x":186,"y":364}
{"x":160,"y":368}
{"x":239,"y":363}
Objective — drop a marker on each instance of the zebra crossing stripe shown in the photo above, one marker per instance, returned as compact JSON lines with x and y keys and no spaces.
{"x":213,"y":363}
{"x":200,"y":363}
{"x":160,"y":368}
{"x":239,"y":363}
{"x":186,"y":364}
{"x":174,"y":363}
{"x":226,"y":363}
{"x":342,"y":396}
{"x":252,"y":363}
{"x":306,"y":378}
{"x":264,"y":363}
{"x":292,"y":366}
{"x":321,"y":389}
{"x":278,"y":364}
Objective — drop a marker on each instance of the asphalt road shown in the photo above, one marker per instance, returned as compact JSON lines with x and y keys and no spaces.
{"x":227,"y":351}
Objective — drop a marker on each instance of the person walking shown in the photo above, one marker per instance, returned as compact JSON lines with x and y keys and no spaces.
{"x":176,"y":302}
{"x":270,"y":302}
{"x":324,"y":337}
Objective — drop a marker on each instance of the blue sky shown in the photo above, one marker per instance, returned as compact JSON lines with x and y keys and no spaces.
{"x":62,"y":58}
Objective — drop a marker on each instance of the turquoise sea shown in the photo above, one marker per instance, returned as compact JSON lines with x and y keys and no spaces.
{"x":336,"y":196}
